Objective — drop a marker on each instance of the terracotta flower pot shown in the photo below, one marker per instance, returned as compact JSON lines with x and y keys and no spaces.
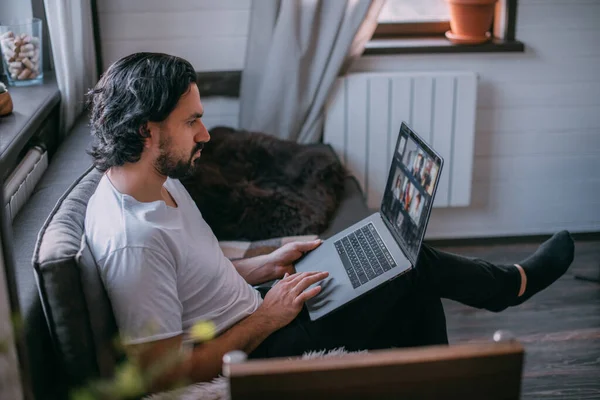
{"x":6,"y":104}
{"x":470,"y":20}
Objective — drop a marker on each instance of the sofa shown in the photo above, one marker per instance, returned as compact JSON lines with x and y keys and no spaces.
{"x":69,"y":328}
{"x":61,"y":345}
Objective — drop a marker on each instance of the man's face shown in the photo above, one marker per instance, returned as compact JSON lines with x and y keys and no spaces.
{"x":418,"y":161}
{"x":181,"y":137}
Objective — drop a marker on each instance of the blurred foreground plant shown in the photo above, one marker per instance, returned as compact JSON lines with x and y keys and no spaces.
{"x":130,"y":381}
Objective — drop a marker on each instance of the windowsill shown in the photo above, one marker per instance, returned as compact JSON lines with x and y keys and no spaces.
{"x":31,"y":106}
{"x":436,"y":44}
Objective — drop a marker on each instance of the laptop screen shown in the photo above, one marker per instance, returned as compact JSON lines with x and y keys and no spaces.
{"x":410,"y":189}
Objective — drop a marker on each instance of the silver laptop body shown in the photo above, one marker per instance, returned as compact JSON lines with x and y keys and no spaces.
{"x":386,"y":244}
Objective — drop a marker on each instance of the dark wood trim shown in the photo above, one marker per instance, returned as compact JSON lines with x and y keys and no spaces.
{"x":430,"y":45}
{"x":410,"y":29}
{"x":219,"y":83}
{"x":511,"y":19}
{"x":97,"y":37}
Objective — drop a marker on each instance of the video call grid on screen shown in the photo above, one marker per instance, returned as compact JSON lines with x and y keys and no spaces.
{"x":408,"y":193}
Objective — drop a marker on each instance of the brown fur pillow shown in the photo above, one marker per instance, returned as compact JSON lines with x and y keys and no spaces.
{"x":252,"y":186}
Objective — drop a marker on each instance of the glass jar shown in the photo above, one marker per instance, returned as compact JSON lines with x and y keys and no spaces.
{"x":21,"y":46}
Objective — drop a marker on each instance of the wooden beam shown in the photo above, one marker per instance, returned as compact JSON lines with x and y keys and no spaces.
{"x":219,"y":83}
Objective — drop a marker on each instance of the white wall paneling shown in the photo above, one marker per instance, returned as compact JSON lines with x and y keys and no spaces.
{"x":222,"y":111}
{"x":210,"y":34}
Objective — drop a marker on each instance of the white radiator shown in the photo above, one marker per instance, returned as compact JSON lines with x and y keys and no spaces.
{"x":364,"y":115}
{"x":21,"y":182}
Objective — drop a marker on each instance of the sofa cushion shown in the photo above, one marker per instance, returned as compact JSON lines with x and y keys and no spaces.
{"x":76,"y":306}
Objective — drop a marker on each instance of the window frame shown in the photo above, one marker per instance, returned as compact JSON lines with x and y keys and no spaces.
{"x":428,"y":36}
{"x":410,"y":29}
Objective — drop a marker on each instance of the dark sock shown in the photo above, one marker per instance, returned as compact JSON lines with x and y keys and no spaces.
{"x":550,"y":261}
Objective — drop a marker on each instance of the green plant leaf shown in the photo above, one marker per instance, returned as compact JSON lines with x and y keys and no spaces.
{"x":17,"y":322}
{"x":129,"y":381}
{"x":82,"y":394}
{"x":203,"y":331}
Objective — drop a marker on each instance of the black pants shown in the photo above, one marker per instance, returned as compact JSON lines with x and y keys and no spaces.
{"x":404,"y":312}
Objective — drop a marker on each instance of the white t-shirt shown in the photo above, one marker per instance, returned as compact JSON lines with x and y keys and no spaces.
{"x":162,"y":266}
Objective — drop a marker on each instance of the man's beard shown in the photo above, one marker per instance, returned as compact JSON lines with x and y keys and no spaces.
{"x":168,"y":164}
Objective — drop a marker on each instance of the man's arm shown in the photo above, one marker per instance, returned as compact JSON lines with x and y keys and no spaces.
{"x":260,"y":269}
{"x":280,"y":306}
{"x":255,"y":270}
{"x":204,"y":362}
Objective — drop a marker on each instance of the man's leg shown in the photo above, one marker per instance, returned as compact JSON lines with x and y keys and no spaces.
{"x":396,"y":314}
{"x":407,"y":311}
{"x":481,"y":284}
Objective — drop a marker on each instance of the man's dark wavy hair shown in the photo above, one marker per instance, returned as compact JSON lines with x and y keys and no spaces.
{"x":135,"y":90}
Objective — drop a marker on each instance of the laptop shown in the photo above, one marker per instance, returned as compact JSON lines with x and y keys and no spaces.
{"x":386,"y":244}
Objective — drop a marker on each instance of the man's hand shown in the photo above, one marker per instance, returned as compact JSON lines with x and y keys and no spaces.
{"x":275,"y":265}
{"x":285,"y":299}
{"x":281,"y":261}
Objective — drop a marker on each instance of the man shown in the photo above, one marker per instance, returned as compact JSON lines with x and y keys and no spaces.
{"x":397,"y":196}
{"x":407,"y":196}
{"x":426,"y":179}
{"x":164,"y":271}
{"x":417,"y":167}
{"x":415,"y":209}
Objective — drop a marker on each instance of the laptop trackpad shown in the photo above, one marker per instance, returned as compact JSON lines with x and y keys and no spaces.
{"x":324,"y":258}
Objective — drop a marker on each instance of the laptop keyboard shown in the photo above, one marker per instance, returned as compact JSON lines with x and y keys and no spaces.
{"x":364,"y":255}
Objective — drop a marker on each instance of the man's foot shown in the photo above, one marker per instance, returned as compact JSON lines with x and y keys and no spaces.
{"x":550,"y":261}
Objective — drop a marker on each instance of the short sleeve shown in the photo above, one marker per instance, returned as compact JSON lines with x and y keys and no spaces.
{"x":142,"y":286}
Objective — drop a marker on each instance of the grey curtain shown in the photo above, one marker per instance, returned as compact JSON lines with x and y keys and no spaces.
{"x":296,"y":49}
{"x":71,"y":34}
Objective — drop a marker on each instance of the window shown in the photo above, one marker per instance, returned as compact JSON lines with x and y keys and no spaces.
{"x":414,"y":11}
{"x":413,"y":18}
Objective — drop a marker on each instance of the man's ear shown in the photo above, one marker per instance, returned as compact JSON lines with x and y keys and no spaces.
{"x":150,"y":133}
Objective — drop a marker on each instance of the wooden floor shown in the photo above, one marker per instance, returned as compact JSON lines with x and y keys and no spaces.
{"x":560,"y":327}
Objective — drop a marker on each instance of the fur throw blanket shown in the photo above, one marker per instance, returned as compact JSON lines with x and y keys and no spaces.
{"x":252,"y":186}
